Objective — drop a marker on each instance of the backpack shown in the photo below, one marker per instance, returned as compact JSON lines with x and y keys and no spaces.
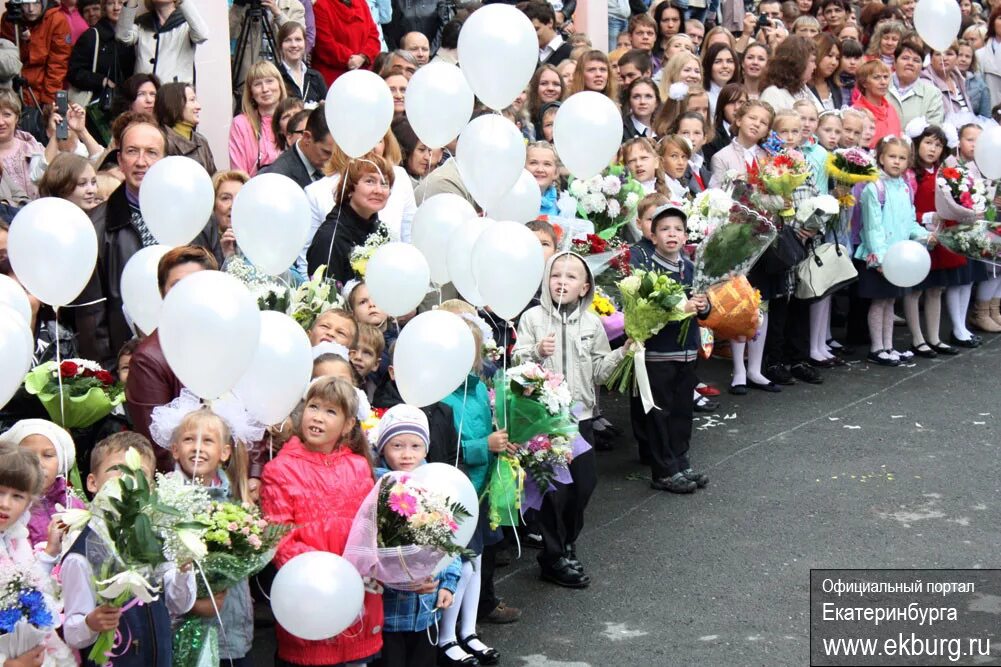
{"x":855,"y":227}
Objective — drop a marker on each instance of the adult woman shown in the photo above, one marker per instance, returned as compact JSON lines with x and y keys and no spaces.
{"x":397,"y":84}
{"x":287,"y":108}
{"x":719,"y":35}
{"x":546,"y":86}
{"x":976,"y":87}
{"x":947,"y":78}
{"x":353,"y":218}
{"x":976,"y":35}
{"x":989,"y":55}
{"x":178,"y":112}
{"x":594,"y":73}
{"x":677,"y":44}
{"x":136,"y":93}
{"x":71,"y":177}
{"x":730,"y":99}
{"x":418,"y":160}
{"x":670,"y":21}
{"x":789,"y":70}
{"x":873,"y":82}
{"x":824,"y":85}
{"x":17,"y":147}
{"x":346,"y":37}
{"x":719,"y":67}
{"x":753,"y":65}
{"x":251,"y":139}
{"x":165,"y":37}
{"x":639,"y":104}
{"x":98,"y":61}
{"x":226,"y":184}
{"x":542,"y":163}
{"x":885,"y":40}
{"x":300,"y":80}
{"x":681,"y":68}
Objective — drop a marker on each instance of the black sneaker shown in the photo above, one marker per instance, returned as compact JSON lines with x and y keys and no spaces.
{"x":562,"y":573}
{"x":779,"y":374}
{"x":806,"y":373}
{"x":699,"y":478}
{"x":677,"y":483}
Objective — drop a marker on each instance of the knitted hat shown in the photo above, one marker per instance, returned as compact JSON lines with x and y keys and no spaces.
{"x":59,"y":437}
{"x":401,"y":419}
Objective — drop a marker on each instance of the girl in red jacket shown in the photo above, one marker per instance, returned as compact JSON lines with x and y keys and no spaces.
{"x":317,"y":483}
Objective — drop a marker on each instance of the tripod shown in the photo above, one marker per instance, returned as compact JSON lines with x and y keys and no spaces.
{"x":254,"y":16}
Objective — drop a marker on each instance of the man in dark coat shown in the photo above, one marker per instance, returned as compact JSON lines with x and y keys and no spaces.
{"x":303,"y":161}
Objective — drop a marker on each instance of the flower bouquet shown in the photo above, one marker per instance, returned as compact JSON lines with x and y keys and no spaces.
{"x":708,"y":210}
{"x":816,"y":213}
{"x":733,"y":247}
{"x":607,"y":200}
{"x":89,"y":393}
{"x":612,"y":319}
{"x":135,"y":530}
{"x":29,"y":615}
{"x":651,"y":300}
{"x":970,"y":239}
{"x":958,"y":196}
{"x":404,"y":532}
{"x":735,"y":309}
{"x":313,"y":297}
{"x":240,"y":542}
{"x":849,"y":167}
{"x":781,"y":174}
{"x":960,"y":204}
{"x":360,"y":254}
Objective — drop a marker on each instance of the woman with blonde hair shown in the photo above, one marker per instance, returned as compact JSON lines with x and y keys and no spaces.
{"x":594,"y":72}
{"x":251,"y":137}
{"x":885,"y":40}
{"x":680,"y":68}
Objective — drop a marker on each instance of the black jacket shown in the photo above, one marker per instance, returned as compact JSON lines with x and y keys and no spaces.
{"x":102,"y":327}
{"x":444,"y":440}
{"x":837,"y":94}
{"x":290,"y":164}
{"x":347,"y":229}
{"x":115,"y":60}
{"x":719,"y":142}
{"x":314,"y":88}
{"x":559,"y":55}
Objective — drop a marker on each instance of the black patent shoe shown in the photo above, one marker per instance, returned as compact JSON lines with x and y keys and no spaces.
{"x":562,"y":573}
{"x":677,"y":483}
{"x":969,"y":343}
{"x":488,"y":657}
{"x":924,"y":350}
{"x":445,"y":661}
{"x":942,"y":348}
{"x":700,"y":479}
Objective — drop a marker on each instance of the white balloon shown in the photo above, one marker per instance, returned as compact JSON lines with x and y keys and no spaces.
{"x":937,"y":22}
{"x":508,"y":265}
{"x":439,"y":103}
{"x":455,"y":485}
{"x":14,"y":296}
{"x":398,"y":278}
{"x":522,"y":203}
{"x":317,"y":595}
{"x":176,"y":199}
{"x":17,"y":344}
{"x":592,"y":115}
{"x":498,"y":51}
{"x":434,"y":223}
{"x":271,"y":217}
{"x":141,"y":289}
{"x":53,"y":249}
{"x":279,"y":374}
{"x":433,"y":354}
{"x":460,"y":259}
{"x":906,"y":263}
{"x":209,"y":330}
{"x":359,"y":110}
{"x":490,"y":156}
{"x":987,"y":152}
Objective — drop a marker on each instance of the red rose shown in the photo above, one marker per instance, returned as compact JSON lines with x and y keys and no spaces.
{"x":105,"y":378}
{"x":68,"y":369}
{"x":87,"y":373}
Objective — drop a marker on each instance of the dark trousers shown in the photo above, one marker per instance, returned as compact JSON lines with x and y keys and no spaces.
{"x":788,"y":339}
{"x":670,"y":427}
{"x":639,"y":422}
{"x":245,"y":661}
{"x":561,"y":518}
{"x":406,"y":649}
{"x":488,"y":597}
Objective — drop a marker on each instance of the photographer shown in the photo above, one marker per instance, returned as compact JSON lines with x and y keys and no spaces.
{"x":165,"y":37}
{"x":277,"y":13}
{"x":44,"y":41}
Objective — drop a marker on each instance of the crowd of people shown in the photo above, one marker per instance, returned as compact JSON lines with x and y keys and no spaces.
{"x":97,"y":92}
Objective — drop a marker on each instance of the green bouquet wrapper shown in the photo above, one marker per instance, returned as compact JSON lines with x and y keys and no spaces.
{"x":524,"y":418}
{"x":72,"y":411}
{"x":504,"y":491}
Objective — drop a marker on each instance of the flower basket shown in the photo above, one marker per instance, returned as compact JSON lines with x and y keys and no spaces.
{"x":88,"y":395}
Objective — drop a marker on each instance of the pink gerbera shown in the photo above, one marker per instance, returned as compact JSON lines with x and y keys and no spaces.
{"x":403,"y":504}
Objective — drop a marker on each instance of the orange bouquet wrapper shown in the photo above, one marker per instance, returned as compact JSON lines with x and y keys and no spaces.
{"x":734,"y":311}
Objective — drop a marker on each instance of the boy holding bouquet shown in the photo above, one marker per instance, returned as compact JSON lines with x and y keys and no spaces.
{"x":670,"y":360}
{"x":564,"y":335}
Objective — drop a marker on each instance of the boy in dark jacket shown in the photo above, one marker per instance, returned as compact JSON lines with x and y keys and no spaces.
{"x":670,"y":363}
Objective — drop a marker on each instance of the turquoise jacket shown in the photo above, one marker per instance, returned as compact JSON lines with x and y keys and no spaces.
{"x":816,"y":156}
{"x":884,"y":226}
{"x":473,"y":419}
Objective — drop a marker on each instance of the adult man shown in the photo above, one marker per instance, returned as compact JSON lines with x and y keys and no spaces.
{"x":121,"y":233}
{"x":303,"y":163}
{"x":552,"y":48}
{"x":697,"y":31}
{"x":45,"y":45}
{"x":402,"y":62}
{"x":642,"y":32}
{"x":418,"y":46}
{"x":911,"y":95}
{"x":151,"y":383}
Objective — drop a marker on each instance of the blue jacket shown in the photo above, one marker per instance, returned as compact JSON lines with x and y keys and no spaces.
{"x":473,"y":418}
{"x":882,"y":226}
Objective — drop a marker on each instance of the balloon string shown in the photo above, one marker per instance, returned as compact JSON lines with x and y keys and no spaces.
{"x":462,"y":419}
{"x":59,"y":376}
{"x":338,"y":202}
{"x":215,"y":607}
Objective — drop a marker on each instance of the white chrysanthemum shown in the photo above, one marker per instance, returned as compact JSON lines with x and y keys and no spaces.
{"x":578,"y":188}
{"x":613,"y":208}
{"x":632,"y":199}
{"x":611,"y":185}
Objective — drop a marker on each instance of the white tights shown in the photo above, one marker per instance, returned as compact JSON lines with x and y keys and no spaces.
{"x":755,"y":356}
{"x":957,"y":300}
{"x":881,"y":325}
{"x":461,"y":615}
{"x":820,"y":327}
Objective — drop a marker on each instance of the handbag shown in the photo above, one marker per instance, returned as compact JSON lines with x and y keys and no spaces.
{"x":32,"y":119}
{"x":827,"y":269}
{"x":83,"y":97}
{"x":784,"y":253}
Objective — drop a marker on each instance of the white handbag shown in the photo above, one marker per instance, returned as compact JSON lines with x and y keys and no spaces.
{"x":827,"y":268}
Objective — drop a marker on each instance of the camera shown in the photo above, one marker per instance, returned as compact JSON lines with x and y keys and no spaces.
{"x":247,"y":3}
{"x":13,"y":12}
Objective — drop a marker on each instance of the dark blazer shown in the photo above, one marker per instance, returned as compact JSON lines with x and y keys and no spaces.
{"x":559,"y":55}
{"x":290,"y":164}
{"x":838,"y":95}
{"x":719,"y":142}
{"x":314,"y":88}
{"x":693,"y":183}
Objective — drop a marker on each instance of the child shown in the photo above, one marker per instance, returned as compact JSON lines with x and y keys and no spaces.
{"x":675,"y":152}
{"x":546,"y":235}
{"x":147,"y":625}
{"x":317,"y":483}
{"x":335,"y":325}
{"x":366,"y":355}
{"x":750,"y":125}
{"x":205,"y":453}
{"x":641,"y":159}
{"x":364,"y":310}
{"x":56,"y":453}
{"x":563,"y":335}
{"x":930,"y":150}
{"x":670,"y":364}
{"x":808,"y":115}
{"x":402,"y":445}
{"x":959,"y":285}
{"x":852,"y":55}
{"x":693,"y":126}
{"x":829,"y":130}
{"x":644,"y":219}
{"x":125,"y":358}
{"x":852,"y":124}
{"x":883,"y":225}
{"x":21,"y":480}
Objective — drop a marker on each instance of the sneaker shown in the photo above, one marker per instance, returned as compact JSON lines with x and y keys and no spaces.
{"x":806,"y":373}
{"x":699,"y":478}
{"x":677,"y":483}
{"x":779,"y":374}
{"x":502,"y":614}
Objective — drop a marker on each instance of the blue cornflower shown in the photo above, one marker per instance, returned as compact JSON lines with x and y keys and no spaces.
{"x":9,"y":619}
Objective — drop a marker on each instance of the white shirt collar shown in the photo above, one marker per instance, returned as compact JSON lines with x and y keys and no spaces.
{"x":644,"y":130}
{"x":550,"y":48}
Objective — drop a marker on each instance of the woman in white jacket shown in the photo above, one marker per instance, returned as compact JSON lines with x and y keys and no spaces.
{"x":165,"y":37}
{"x":989,"y":56}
